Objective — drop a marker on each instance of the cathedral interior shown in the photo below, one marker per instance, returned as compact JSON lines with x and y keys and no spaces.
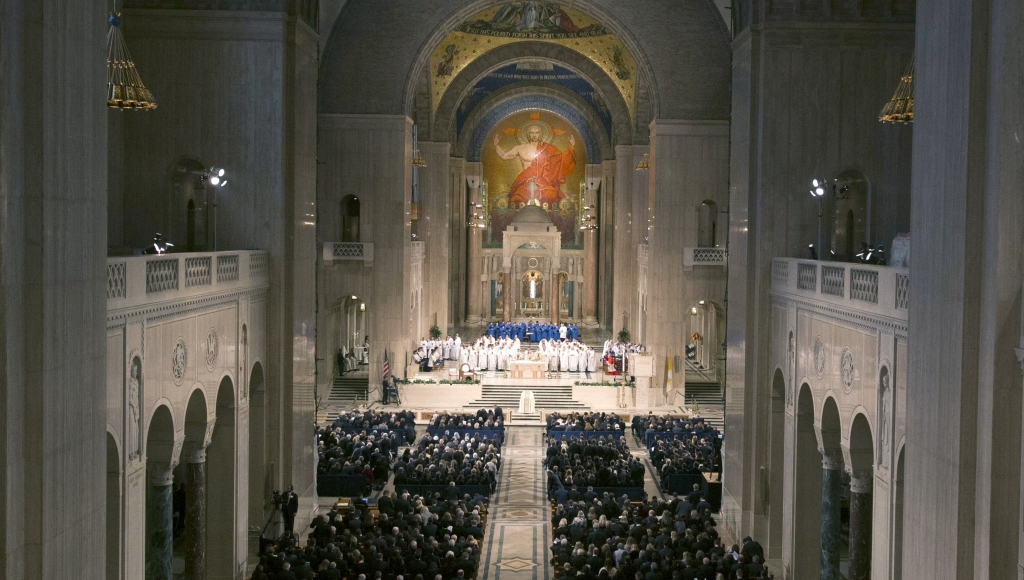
{"x":263,"y":281}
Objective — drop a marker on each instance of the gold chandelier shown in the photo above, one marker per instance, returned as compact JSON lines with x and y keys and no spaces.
{"x":124,"y":86}
{"x":900,"y":108}
{"x":645,"y":163}
{"x":417,"y":159}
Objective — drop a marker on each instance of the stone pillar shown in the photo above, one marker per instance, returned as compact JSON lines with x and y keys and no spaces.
{"x":689,"y":163}
{"x":475,"y":242}
{"x":369,"y":156}
{"x":831,"y":473}
{"x":53,"y":301}
{"x":962,"y":516}
{"x":507,"y":291}
{"x":860,"y":526}
{"x":434,"y":224}
{"x":590,"y":247}
{"x":590,"y":274}
{"x":193,"y":455}
{"x":554,"y":294}
{"x":159,"y":521}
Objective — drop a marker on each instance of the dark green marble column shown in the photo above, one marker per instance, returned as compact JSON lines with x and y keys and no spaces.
{"x":194,"y":457}
{"x":159,"y":523}
{"x":831,"y":474}
{"x":860,"y":527}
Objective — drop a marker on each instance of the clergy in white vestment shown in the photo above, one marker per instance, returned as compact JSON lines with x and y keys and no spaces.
{"x":448,"y":348}
{"x":574,"y":360}
{"x":492,"y":360}
{"x":591,"y":361}
{"x":456,"y":347}
{"x":563,"y":360}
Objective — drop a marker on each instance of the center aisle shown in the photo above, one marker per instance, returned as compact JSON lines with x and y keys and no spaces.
{"x":518,"y":533}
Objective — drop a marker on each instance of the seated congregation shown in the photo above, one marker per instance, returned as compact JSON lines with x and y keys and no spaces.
{"x":483,"y":419}
{"x":607,"y":539}
{"x":452,"y":460}
{"x":341,"y":453}
{"x":587,"y":421}
{"x":406,"y":537}
{"x":601,"y":462}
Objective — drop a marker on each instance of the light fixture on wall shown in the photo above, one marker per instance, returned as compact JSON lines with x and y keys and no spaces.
{"x":215,"y":175}
{"x":900,"y":108}
{"x":588,"y":222}
{"x":125,"y":89}
{"x":417,"y":159}
{"x":645,"y":163}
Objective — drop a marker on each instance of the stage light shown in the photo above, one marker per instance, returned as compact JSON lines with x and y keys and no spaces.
{"x":693,"y":310}
{"x":815,"y":183}
{"x":218,"y":171}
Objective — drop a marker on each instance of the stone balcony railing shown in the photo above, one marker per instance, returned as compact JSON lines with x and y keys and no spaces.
{"x":348,"y":251}
{"x":135,"y":281}
{"x":881,"y":290}
{"x":704,"y":257}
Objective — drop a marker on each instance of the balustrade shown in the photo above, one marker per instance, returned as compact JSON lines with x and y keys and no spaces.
{"x":134,"y":281}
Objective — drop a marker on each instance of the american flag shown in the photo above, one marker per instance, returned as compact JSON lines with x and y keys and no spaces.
{"x":387,"y":367}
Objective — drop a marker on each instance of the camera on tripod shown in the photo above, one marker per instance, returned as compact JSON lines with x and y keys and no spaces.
{"x":276,"y":499}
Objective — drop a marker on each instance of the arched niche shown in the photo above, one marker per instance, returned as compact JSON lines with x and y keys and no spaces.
{"x":850,"y":205}
{"x":350,"y":210}
{"x":707,"y":224}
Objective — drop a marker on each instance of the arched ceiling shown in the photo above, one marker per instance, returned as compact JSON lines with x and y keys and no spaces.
{"x":600,"y":95}
{"x":375,"y":58}
{"x":533,"y":72}
{"x":544,"y":22}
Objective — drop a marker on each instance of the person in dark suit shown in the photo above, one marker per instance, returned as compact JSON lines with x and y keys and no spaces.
{"x":340,"y":361}
{"x":289,"y":507}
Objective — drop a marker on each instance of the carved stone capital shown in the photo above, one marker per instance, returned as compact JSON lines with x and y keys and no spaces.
{"x":161,"y":474}
{"x":831,"y":459}
{"x":861,"y":481}
{"x":194,"y":452}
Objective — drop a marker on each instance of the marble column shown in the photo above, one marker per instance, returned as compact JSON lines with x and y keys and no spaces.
{"x":860,"y":526}
{"x":831,"y":474}
{"x":159,"y":522}
{"x":476,"y":241}
{"x":554,"y":294}
{"x":193,"y":455}
{"x":507,"y":291}
{"x":590,"y":277}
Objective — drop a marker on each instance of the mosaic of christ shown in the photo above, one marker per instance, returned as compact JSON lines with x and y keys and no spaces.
{"x":534,"y":158}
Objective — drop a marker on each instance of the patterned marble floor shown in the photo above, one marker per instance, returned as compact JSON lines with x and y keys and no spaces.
{"x":518,"y":532}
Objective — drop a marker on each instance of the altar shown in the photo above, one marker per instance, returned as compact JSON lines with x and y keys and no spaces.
{"x":527,"y":369}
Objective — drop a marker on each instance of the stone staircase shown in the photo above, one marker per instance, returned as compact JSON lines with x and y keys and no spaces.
{"x":348,"y":389}
{"x":545,"y":397}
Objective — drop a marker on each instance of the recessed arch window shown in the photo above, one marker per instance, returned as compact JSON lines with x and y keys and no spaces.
{"x":707,"y":224}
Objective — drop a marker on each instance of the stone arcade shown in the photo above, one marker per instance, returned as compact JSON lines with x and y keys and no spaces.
{"x":331,"y":180}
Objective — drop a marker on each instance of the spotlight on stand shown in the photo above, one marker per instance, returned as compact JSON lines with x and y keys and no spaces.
{"x":817,"y":188}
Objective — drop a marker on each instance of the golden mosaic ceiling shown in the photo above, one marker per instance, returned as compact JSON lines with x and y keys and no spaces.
{"x":532,"y":21}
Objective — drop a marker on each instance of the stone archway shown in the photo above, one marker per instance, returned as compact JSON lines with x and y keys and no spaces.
{"x":193,"y":456}
{"x":161,"y":458}
{"x":221,"y":478}
{"x":772,"y":496}
{"x":862,"y":459}
{"x":806,"y":544}
{"x":259,"y":484}
{"x":830,"y":446}
{"x":114,"y":530}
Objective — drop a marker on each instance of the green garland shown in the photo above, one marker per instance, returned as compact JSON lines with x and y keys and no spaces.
{"x":600,"y":384}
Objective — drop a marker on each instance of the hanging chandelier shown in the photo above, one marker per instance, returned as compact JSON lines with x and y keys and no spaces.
{"x":900,"y":108}
{"x":124,"y":86}
{"x":645,"y":163}
{"x":418,"y":160}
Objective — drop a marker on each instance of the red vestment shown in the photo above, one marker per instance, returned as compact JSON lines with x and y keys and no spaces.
{"x":548,"y":170}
